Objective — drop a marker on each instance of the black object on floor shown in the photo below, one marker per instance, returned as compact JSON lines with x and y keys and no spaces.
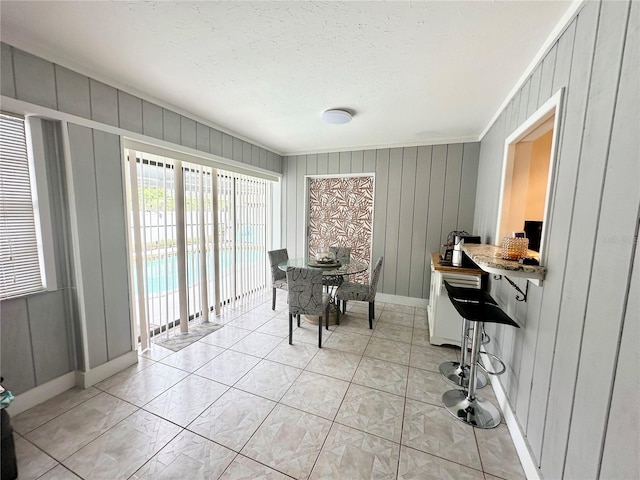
{"x":7,"y":448}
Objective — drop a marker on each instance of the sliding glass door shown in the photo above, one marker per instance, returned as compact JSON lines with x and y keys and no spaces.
{"x":197,"y":240}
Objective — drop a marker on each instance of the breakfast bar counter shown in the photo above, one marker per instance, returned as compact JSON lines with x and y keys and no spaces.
{"x":436,"y":261}
{"x":489,"y":258}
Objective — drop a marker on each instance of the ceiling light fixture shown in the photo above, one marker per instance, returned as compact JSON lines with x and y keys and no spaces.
{"x":336,"y":116}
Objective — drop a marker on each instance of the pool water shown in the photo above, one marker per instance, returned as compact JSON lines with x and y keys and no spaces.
{"x":162,"y":272}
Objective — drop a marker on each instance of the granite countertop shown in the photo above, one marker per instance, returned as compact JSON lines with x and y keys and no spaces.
{"x":489,"y":258}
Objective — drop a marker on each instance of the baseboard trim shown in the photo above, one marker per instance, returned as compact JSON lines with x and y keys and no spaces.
{"x":106,"y":370}
{"x":42,"y":393}
{"x":47,"y":391}
{"x":529,"y":465}
{"x":398,"y":300}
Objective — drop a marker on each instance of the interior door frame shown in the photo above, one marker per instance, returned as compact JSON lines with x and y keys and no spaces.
{"x":307,"y":180}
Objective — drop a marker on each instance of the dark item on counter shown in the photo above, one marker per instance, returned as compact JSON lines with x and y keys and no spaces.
{"x":533,"y":230}
{"x":529,"y":261}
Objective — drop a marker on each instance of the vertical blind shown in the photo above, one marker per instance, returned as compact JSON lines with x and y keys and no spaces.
{"x":198,"y":240}
{"x":20,"y":268}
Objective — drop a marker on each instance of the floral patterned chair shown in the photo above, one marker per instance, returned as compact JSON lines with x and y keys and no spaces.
{"x":360,"y":292}
{"x":278,"y":277}
{"x":306,"y":298}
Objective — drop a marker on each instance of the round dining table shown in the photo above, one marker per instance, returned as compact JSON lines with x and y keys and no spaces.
{"x":329,"y":272}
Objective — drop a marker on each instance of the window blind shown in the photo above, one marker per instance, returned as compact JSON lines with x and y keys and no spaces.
{"x":20,"y":271}
{"x":198,"y":240}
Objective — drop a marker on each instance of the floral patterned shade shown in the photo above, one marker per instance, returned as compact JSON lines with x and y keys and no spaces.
{"x":341,"y":214}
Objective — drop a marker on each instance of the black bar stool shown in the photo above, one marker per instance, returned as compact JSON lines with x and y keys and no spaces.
{"x":464,"y":404}
{"x":457,"y":373}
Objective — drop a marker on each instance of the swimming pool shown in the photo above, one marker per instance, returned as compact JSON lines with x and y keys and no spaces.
{"x":161,"y":274}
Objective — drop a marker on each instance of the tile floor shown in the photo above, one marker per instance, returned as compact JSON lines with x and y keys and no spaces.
{"x":241,"y":403}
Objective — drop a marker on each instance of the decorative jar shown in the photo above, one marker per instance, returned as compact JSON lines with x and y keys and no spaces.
{"x":514,"y":248}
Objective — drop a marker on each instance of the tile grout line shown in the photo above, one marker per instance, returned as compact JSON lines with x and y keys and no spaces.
{"x":380,"y":322}
{"x":333,"y":422}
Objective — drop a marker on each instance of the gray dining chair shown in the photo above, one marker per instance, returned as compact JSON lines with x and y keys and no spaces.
{"x":360,"y":292}
{"x":306,"y":298}
{"x":278,"y":277}
{"x":342,"y":253}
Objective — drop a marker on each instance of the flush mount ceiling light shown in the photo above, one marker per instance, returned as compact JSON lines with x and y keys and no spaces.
{"x":336,"y":116}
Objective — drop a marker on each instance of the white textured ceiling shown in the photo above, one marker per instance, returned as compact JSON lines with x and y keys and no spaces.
{"x":412,"y":72}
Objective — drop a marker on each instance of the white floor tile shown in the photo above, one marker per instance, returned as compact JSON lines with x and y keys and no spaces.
{"x":77,"y":427}
{"x":241,"y":403}
{"x":125,"y":448}
{"x":233,"y":418}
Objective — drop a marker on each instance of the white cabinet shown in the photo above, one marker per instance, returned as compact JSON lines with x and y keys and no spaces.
{"x":445,"y":324}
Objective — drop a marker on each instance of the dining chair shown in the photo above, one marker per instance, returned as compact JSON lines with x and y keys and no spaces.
{"x":360,"y":292}
{"x":306,"y":298}
{"x":278,"y":277}
{"x":342,"y":253}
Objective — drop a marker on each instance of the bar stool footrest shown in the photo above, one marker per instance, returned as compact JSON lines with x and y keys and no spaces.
{"x":496,"y":358}
{"x":479,"y":412}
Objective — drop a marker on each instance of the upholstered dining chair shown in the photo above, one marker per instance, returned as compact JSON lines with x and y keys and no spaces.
{"x":342,"y":253}
{"x":306,"y":298}
{"x":361,"y":292}
{"x":278,"y":277}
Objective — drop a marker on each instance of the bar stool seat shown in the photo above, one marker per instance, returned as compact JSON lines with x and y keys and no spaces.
{"x":457,"y":373}
{"x":482,"y":312}
{"x":469,"y":294}
{"x":464,"y":404}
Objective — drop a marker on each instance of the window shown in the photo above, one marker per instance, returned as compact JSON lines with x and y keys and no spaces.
{"x":20,"y":253}
{"x":527,"y":176}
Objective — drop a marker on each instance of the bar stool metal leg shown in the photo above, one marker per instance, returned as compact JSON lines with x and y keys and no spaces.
{"x":465,"y":405}
{"x":458,"y":373}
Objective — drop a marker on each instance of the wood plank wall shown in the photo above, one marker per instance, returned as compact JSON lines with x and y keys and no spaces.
{"x":98,"y":202}
{"x":420,"y":195}
{"x":40,"y":333}
{"x":569,"y":376}
{"x":37,"y":336}
{"x":35,"y":80}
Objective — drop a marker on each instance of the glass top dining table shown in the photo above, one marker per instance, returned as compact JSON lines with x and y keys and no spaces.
{"x":354,"y":266}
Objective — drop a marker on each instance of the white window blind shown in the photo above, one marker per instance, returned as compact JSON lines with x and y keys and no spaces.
{"x":198,"y":240}
{"x":20,"y":267}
